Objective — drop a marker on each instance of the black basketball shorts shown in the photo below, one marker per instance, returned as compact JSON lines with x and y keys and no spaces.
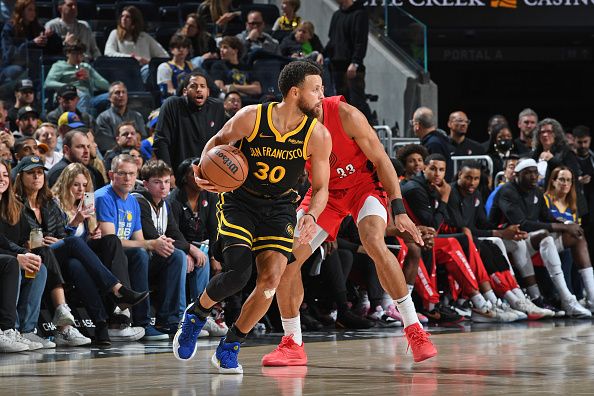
{"x":261,"y":223}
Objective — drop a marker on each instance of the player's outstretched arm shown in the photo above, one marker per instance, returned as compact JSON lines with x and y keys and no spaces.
{"x":239,"y":126}
{"x":356,"y":126}
{"x":318,"y":150}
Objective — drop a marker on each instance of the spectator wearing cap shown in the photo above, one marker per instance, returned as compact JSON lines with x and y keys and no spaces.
{"x":108,"y":121}
{"x":146,"y":145}
{"x":73,"y":71}
{"x":127,"y":139}
{"x":67,"y":122}
{"x":71,"y":29}
{"x":67,"y":101}
{"x":24,"y":94}
{"x":47,"y":134}
{"x":27,"y":122}
{"x":77,"y":148}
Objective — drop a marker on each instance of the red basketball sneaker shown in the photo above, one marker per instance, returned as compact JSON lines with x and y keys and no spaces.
{"x":288,"y":353}
{"x":418,"y":341}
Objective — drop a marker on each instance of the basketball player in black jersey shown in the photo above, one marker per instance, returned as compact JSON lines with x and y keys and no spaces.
{"x":259,"y":218}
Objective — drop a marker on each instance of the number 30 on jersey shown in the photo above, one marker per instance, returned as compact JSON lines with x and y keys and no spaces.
{"x":273,"y":175}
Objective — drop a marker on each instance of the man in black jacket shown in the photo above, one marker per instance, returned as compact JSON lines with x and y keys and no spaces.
{"x":346,"y":49}
{"x":521,"y":202}
{"x":467,"y":213}
{"x":435,"y":141}
{"x":170,"y":271}
{"x":187,"y":123}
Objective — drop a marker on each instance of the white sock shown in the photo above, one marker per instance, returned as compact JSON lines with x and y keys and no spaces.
{"x":490,"y":296}
{"x":588,"y":280}
{"x":293,"y":326}
{"x":533,"y":291}
{"x":552,"y":262}
{"x":410,"y":288}
{"x":478,"y":301}
{"x":519,"y":293}
{"x":559,"y":282}
{"x":511,"y":297}
{"x":407,"y":310}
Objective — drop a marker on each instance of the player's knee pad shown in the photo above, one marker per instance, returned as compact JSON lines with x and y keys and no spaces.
{"x":238,"y":271}
{"x":550,"y":256}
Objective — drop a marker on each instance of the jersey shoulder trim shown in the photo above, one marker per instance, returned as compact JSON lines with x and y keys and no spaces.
{"x":307,"y":136}
{"x":257,"y":124}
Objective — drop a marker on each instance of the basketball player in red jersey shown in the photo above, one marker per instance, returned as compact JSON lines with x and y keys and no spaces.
{"x":365,"y":192}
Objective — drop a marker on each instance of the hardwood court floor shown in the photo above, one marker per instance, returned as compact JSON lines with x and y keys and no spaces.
{"x":525,"y":359}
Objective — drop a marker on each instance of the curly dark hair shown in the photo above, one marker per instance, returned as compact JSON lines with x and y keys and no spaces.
{"x":294,"y":73}
{"x":404,"y":151}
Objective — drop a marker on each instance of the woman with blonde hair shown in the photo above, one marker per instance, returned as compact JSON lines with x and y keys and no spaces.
{"x":69,"y":192}
{"x":560,"y":195}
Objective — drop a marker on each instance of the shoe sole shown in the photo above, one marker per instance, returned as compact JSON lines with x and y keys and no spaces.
{"x":424,"y":357}
{"x":283,"y":363}
{"x":76,"y":344}
{"x":215,"y":363}
{"x":286,"y":363}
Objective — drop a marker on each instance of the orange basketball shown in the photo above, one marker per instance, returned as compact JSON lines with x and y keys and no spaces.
{"x":224,"y":166}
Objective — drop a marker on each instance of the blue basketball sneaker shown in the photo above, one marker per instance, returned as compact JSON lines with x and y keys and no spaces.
{"x":185,"y":339}
{"x":225,"y":358}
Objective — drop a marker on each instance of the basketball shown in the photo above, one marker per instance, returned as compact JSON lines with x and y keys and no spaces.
{"x":224,"y":166}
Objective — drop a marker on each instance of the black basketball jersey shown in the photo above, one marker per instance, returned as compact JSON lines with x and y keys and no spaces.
{"x":275,"y":161}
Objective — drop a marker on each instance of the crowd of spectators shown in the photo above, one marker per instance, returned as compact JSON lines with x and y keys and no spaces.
{"x":110,"y":189}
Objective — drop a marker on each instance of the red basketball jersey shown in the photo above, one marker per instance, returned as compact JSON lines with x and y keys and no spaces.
{"x":348,"y":164}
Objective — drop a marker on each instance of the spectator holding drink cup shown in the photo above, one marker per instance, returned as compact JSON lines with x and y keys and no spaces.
{"x":73,"y":71}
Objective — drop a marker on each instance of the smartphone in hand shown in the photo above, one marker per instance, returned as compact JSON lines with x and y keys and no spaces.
{"x":89,"y":202}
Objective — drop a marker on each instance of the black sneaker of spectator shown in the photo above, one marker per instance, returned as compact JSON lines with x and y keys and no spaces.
{"x":129,"y":298}
{"x":443,"y":314}
{"x":348,"y":320}
{"x":101,"y":335}
{"x":167,"y":329}
{"x":308,"y":322}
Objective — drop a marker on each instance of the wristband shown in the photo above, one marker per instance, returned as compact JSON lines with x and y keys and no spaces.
{"x":397,"y":206}
{"x":312,"y":216}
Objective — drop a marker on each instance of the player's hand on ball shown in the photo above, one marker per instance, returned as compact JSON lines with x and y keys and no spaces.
{"x":203,"y":183}
{"x":307,"y":229}
{"x":403,"y":223}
